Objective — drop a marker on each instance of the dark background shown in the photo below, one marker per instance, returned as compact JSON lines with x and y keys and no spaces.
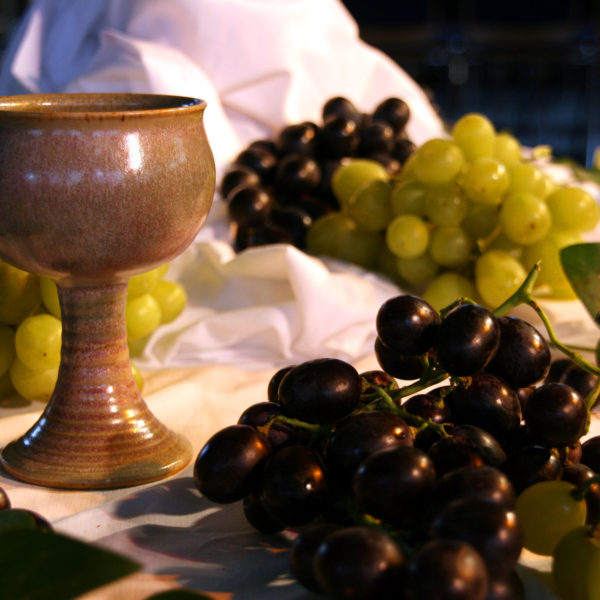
{"x":533,"y":67}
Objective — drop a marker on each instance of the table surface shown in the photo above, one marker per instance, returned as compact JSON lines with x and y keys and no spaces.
{"x":180,"y":538}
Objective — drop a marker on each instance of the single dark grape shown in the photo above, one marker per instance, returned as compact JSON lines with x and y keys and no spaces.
{"x":556,"y":414}
{"x":258,"y":517}
{"x":590,"y":453}
{"x":359,"y":436}
{"x":483,"y":482}
{"x":293,"y":220}
{"x":578,"y":474}
{"x":303,"y":551}
{"x":394,"y":111}
{"x":294,"y":487}
{"x":579,"y":379}
{"x":492,"y":529}
{"x":265,"y":144}
{"x":376,"y":137}
{"x":403,"y":149}
{"x":235,"y":176}
{"x":339,"y":137}
{"x":467,"y":340}
{"x":466,"y":445}
{"x":428,"y":406}
{"x":273,"y":385}
{"x":298,"y":138}
{"x":531,"y":464}
{"x":407,"y":324}
{"x":557,"y":369}
{"x":510,"y":587}
{"x":279,"y":434}
{"x":523,"y":355}
{"x":396,"y":364}
{"x":320,"y":390}
{"x":359,"y":563}
{"x":260,"y":161}
{"x":487,"y":402}
{"x":249,"y":205}
{"x":340,"y":106}
{"x":395,"y":485}
{"x":297,"y":173}
{"x":447,"y":568}
{"x":228,"y":465}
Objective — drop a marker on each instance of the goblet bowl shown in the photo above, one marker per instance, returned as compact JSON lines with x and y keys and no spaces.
{"x":95,"y":188}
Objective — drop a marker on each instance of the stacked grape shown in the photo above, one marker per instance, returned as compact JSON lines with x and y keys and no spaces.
{"x":467,"y":216}
{"x":426,"y":490}
{"x":31,"y":328}
{"x":274,"y":189}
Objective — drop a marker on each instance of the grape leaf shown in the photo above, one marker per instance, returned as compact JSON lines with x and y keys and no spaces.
{"x":37,"y":565}
{"x":581,"y":263}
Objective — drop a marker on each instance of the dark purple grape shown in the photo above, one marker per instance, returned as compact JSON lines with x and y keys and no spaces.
{"x":403,"y":149}
{"x":394,"y":111}
{"x":298,"y":138}
{"x":303,"y":551}
{"x":523,"y":356}
{"x":376,"y":137}
{"x":249,"y":205}
{"x":578,"y":474}
{"x":294,"y":220}
{"x":396,"y":364}
{"x":487,"y":402}
{"x":258,"y":517}
{"x":483,"y":482}
{"x":294,"y":487}
{"x":297,"y":173}
{"x":259,"y":414}
{"x":313,"y":205}
{"x":492,"y":529}
{"x":340,"y":106}
{"x":556,"y":415}
{"x":359,"y":563}
{"x":236,"y":176}
{"x":228,"y":465}
{"x":395,"y":485}
{"x":339,"y":137}
{"x":407,"y":324}
{"x":273,"y":385}
{"x":590,"y":453}
{"x":359,"y":436}
{"x":468,"y":338}
{"x":557,"y":369}
{"x":506,"y":588}
{"x":320,"y":390}
{"x":267,"y":145}
{"x":392,"y":165}
{"x":267,"y":233}
{"x":427,"y":406}
{"x":259,"y":160}
{"x":579,"y":379}
{"x":379,"y":378}
{"x":467,"y":445}
{"x":448,"y":569}
{"x":531,"y":464}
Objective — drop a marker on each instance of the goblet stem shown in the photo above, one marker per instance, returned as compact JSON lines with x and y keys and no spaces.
{"x":96,"y":431}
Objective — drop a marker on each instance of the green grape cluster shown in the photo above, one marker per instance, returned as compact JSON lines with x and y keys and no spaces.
{"x":31,"y":326}
{"x":466,"y":216}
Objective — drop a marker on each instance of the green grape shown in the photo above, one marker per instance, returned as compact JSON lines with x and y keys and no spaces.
{"x":142,"y":315}
{"x":7,"y":347}
{"x":143,"y":283}
{"x":480,"y":220}
{"x":137,"y":377}
{"x":507,"y":149}
{"x":485,"y":180}
{"x":32,"y":384}
{"x":370,"y":206}
{"x":407,"y":236}
{"x":19,"y":294}
{"x":417,"y":271}
{"x":497,"y":276}
{"x":573,"y":208}
{"x":525,"y":177}
{"x":525,"y":218}
{"x":171,"y":297}
{"x":475,"y":134}
{"x":446,"y":288}
{"x":450,"y":246}
{"x":445,"y":205}
{"x":321,"y":238}
{"x":408,"y":197}
{"x":353,"y":175}
{"x":576,"y":564}
{"x":50,"y":298}
{"x":137,"y":346}
{"x":546,"y":512}
{"x":551,"y":273}
{"x":38,"y":342}
{"x":438,"y":161}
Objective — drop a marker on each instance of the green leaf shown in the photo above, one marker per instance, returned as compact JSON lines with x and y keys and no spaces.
{"x":38,"y":565}
{"x":581,"y":263}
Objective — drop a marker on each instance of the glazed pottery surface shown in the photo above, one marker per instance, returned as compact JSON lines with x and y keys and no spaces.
{"x":95,"y":188}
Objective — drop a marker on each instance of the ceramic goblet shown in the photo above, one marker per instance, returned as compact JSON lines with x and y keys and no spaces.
{"x":95,"y":188}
